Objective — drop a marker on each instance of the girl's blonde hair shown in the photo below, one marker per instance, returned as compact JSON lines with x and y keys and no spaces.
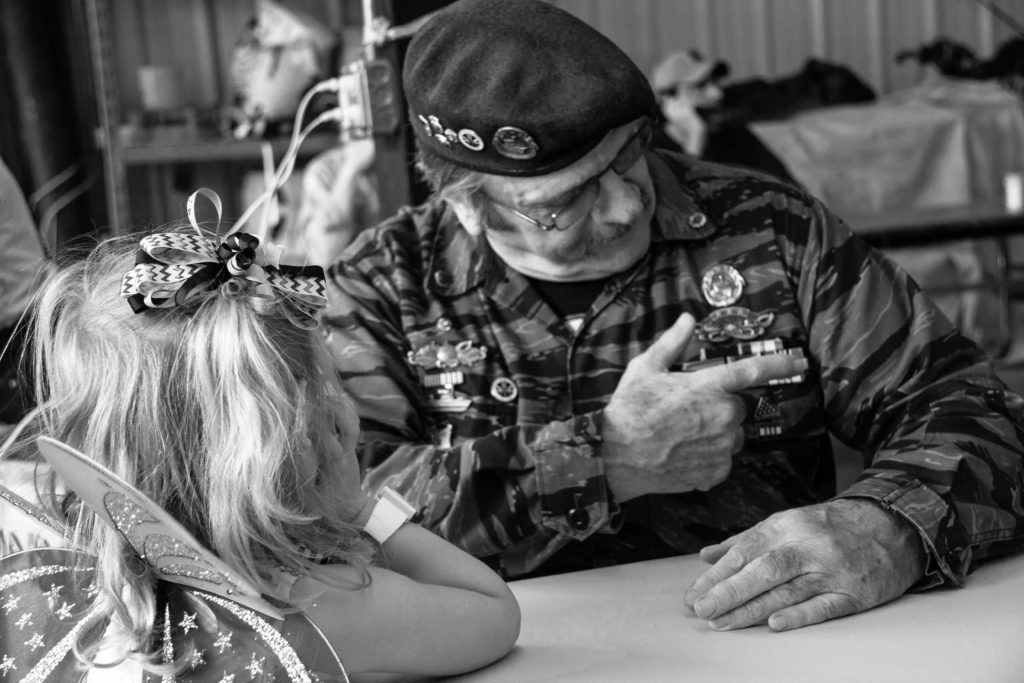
{"x":220,"y":409}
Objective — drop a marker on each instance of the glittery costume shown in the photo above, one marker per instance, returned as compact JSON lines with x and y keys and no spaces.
{"x":225,"y":633}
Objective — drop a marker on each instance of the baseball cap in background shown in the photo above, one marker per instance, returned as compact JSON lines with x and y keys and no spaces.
{"x":686,"y":67}
{"x":517,"y":87}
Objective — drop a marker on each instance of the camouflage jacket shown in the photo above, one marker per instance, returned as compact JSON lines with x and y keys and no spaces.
{"x":484,"y":409}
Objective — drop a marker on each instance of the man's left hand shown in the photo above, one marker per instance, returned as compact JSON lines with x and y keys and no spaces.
{"x":807,"y":565}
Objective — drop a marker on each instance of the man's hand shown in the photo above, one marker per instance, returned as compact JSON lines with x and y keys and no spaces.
{"x":670,"y":432}
{"x":808,"y":565}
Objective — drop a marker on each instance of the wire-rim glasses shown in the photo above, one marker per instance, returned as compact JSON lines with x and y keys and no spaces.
{"x":627,"y":156}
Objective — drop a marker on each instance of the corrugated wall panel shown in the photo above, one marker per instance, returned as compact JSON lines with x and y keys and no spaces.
{"x":738,"y":29}
{"x":766,"y":38}
{"x":679,"y":25}
{"x":906,"y":24}
{"x":851,"y":36}
{"x":773,"y":38}
{"x":960,"y":21}
{"x":1003,"y":32}
{"x":792,"y":29}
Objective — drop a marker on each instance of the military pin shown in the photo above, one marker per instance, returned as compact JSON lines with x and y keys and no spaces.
{"x":444,"y":398}
{"x":734,"y":322}
{"x":514,"y":143}
{"x":441,"y":371}
{"x":470,"y":140}
{"x":722,"y":285}
{"x":447,"y":356}
{"x":504,"y":389}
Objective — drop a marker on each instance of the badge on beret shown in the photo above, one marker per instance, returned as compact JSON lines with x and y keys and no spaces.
{"x":470,"y":140}
{"x":734,"y":322}
{"x":514,"y":143}
{"x":447,"y":137}
{"x":722,"y":285}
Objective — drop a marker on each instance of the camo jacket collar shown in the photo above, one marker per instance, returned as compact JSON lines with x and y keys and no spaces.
{"x":459,"y":261}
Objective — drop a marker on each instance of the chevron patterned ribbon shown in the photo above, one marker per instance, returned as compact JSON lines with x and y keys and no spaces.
{"x":171,"y":268}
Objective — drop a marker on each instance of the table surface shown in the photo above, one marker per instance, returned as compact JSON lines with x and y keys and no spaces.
{"x":629,"y":623}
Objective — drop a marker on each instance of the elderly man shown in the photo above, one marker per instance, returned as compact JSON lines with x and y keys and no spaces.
{"x":582,"y":351}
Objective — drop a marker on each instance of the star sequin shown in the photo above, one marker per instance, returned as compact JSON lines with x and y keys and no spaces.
{"x":23,"y":621}
{"x":11,"y":603}
{"x":195,"y":660}
{"x":188,"y":621}
{"x":36,"y":641}
{"x":54,"y":592}
{"x":223,"y":641}
{"x":7,"y":665}
{"x":256,"y":666}
{"x":64,"y":611}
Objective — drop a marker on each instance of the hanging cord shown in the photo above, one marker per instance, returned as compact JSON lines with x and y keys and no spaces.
{"x":50,"y":185}
{"x":1002,"y":16}
{"x":377,"y":32}
{"x":47,"y":234}
{"x":299,"y":135}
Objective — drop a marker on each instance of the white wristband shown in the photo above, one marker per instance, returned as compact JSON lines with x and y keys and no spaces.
{"x":389,"y":513}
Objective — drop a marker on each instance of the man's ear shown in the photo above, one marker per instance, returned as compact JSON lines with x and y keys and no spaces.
{"x":469,"y":216}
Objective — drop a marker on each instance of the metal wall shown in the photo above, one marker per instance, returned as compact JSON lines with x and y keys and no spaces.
{"x":775,"y":37}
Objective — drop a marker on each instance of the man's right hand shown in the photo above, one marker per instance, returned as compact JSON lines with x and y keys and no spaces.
{"x":671,"y":432}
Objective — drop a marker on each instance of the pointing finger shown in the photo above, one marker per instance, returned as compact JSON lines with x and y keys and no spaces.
{"x":755,"y":371}
{"x":668,"y":347}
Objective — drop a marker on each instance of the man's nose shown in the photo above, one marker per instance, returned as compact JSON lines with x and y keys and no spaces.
{"x":620,"y":199}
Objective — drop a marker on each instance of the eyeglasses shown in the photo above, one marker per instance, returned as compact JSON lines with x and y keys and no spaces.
{"x":576,"y":209}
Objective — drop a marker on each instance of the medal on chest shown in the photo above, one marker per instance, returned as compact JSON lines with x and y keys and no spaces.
{"x":722,"y":286}
{"x":441,"y":366}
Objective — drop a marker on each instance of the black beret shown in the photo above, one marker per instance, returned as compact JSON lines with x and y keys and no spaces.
{"x":517,"y":87}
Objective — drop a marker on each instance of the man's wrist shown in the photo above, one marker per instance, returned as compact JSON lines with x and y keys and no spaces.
{"x":900,"y":535}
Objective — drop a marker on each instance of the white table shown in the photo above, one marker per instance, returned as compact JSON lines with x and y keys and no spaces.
{"x":628,"y":623}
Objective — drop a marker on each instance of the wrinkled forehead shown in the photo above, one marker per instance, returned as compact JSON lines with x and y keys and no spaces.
{"x":536,"y":189}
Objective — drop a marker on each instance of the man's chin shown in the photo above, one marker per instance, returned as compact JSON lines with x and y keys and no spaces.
{"x":594,"y":261}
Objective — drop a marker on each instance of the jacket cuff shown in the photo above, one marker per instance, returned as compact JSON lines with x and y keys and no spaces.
{"x":932,"y":517}
{"x":570,"y":477}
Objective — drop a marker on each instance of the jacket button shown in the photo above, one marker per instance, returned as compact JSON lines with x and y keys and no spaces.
{"x":697,"y":220}
{"x":579,"y":518}
{"x":442,"y":278}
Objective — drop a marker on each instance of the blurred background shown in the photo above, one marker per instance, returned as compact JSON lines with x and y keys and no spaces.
{"x":898,"y":113}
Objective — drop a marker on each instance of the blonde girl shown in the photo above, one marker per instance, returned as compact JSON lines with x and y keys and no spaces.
{"x":187,"y":366}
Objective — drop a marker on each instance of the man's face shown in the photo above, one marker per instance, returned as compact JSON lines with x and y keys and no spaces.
{"x":586,"y":221}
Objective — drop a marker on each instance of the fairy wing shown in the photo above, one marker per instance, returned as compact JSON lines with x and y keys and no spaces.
{"x":47,"y":596}
{"x":207,"y":613}
{"x":155,"y":536}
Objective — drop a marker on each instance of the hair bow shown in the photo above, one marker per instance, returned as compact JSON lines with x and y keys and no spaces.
{"x":170,"y":268}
